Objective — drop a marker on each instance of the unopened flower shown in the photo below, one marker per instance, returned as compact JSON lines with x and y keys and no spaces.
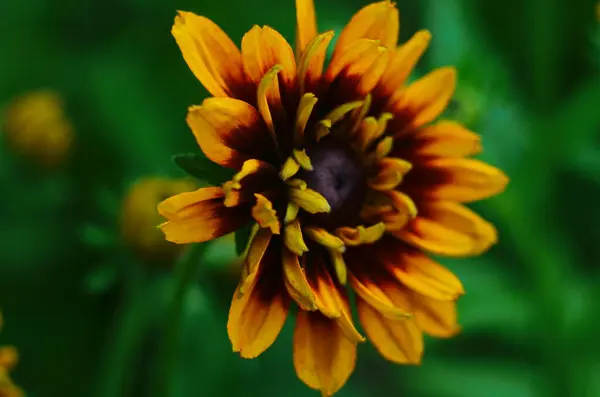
{"x":139,"y":219}
{"x":36,"y":127}
{"x":346,"y":179}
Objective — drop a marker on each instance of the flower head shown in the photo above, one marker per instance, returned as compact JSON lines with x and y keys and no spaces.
{"x":346,"y":179}
{"x":36,"y":127}
{"x":139,"y":217}
{"x":8,"y":360}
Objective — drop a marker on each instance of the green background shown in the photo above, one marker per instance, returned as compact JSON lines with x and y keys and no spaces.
{"x":91,"y":320}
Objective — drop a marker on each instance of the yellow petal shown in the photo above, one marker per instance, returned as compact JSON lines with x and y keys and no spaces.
{"x":265,"y":215}
{"x":210,"y":54}
{"x":309,"y":200}
{"x":451,"y":179}
{"x":305,"y":108}
{"x":327,"y":296}
{"x":377,"y":21}
{"x":399,"y":341}
{"x":323,"y":237}
{"x":256,"y":250}
{"x":229,"y":131}
{"x":289,"y":168}
{"x":339,"y":266}
{"x":199,"y":216}
{"x":263,"y":48}
{"x":296,"y":282}
{"x":324,"y":357}
{"x":303,"y":159}
{"x":306,"y":24}
{"x":293,"y":239}
{"x":268,"y":97}
{"x":403,"y":61}
{"x":359,"y":56}
{"x":427,"y":97}
{"x":450,"y":229}
{"x":360,"y":234}
{"x":390,"y":173}
{"x":422,"y":274}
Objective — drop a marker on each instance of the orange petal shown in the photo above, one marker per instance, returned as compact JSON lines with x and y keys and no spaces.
{"x":310,"y":64}
{"x":296,"y":282}
{"x":426,"y":98}
{"x":257,"y":316}
{"x":377,"y":21}
{"x":420,"y":273}
{"x":399,"y":341}
{"x":263,"y":48}
{"x":403,"y":62}
{"x":327,"y":296}
{"x":256,"y":251}
{"x":323,"y":357}
{"x":210,"y":54}
{"x":436,"y":318}
{"x":358,"y":57}
{"x":450,"y":229}
{"x":229,"y":131}
{"x":306,"y":24}
{"x":451,"y":179}
{"x":370,"y":291}
{"x":199,"y":216}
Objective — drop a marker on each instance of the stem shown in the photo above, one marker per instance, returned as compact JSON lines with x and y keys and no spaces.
{"x":128,"y":330}
{"x":186,"y":272}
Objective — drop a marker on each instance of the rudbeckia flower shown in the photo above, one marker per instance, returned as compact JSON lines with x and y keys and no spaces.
{"x":36,"y":127}
{"x":347,"y":180}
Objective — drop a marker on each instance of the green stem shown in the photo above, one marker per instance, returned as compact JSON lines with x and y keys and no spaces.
{"x":186,"y":273}
{"x":128,"y":331}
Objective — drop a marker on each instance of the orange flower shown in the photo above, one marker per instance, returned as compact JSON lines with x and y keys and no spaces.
{"x":8,"y":360}
{"x":346,"y":180}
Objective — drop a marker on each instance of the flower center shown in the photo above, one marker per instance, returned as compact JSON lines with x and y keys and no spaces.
{"x":338,"y":176}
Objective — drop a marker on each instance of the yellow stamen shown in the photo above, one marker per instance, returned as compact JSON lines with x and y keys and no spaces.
{"x":303,"y":159}
{"x":339,"y":266}
{"x":268,"y":88}
{"x":264,"y":214}
{"x":293,"y":239}
{"x":325,"y":238}
{"x":361,"y":235}
{"x":305,"y":108}
{"x":291,"y":212}
{"x":289,"y":169}
{"x":296,"y":183}
{"x":309,"y":200}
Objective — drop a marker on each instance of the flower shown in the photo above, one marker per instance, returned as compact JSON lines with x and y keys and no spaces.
{"x":139,"y":217}
{"x":346,"y":180}
{"x":8,"y":359}
{"x":36,"y":127}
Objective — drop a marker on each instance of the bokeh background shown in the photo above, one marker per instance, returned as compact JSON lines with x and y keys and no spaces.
{"x":95,"y":312}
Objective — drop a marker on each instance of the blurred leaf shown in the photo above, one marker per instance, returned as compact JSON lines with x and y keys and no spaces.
{"x":103,"y":277}
{"x":202,"y":168}
{"x":95,"y":236}
{"x":241,"y":238}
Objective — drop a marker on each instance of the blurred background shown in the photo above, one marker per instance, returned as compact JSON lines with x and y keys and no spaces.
{"x":93,"y":97}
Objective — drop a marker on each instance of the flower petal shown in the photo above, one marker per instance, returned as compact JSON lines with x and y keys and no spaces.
{"x":451,"y":229}
{"x":229,"y":131}
{"x":370,"y":291}
{"x":377,"y":21}
{"x":263,"y":48}
{"x":436,"y":318}
{"x":199,"y":216}
{"x":210,"y":54}
{"x":327,"y":296}
{"x":425,"y":99}
{"x":324,"y":357}
{"x":310,"y":64}
{"x":257,"y":316}
{"x":444,"y":139}
{"x":306,"y":24}
{"x":418,"y":272}
{"x":254,"y":256}
{"x":450,"y":179}
{"x":402,"y":63}
{"x":296,"y":282}
{"x":399,"y":341}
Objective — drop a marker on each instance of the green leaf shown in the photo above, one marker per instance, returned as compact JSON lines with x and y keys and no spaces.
{"x":102,"y":278}
{"x":202,"y":168}
{"x":241,"y":238}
